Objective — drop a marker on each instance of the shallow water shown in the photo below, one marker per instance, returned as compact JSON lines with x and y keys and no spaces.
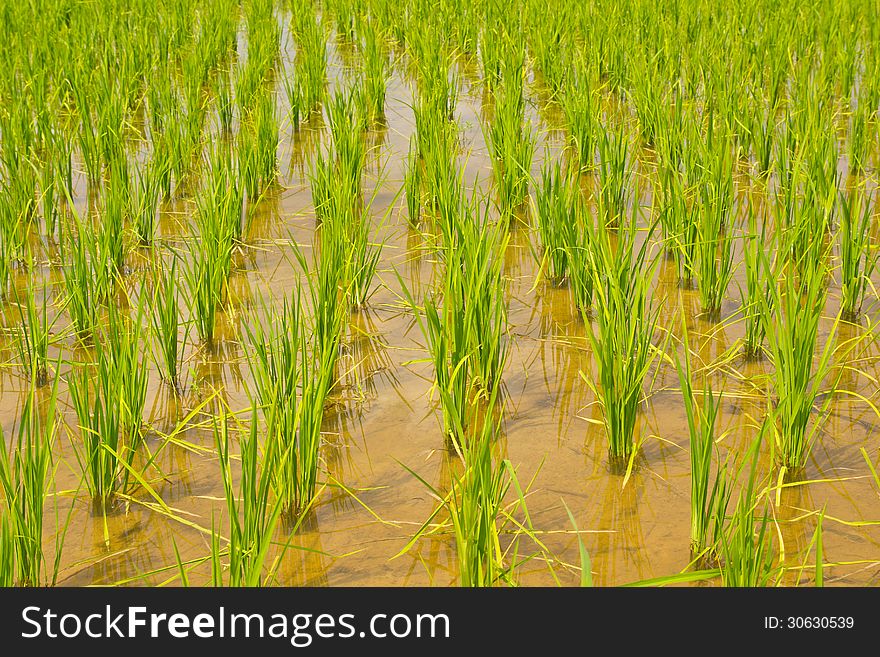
{"x":382,"y":417}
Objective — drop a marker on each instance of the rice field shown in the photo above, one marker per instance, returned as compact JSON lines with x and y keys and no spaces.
{"x":439,"y":292}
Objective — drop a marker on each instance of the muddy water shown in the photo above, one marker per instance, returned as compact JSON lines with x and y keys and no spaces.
{"x":382,"y":416}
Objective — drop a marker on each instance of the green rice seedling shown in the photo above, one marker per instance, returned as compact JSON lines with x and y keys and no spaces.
{"x":322,"y":181}
{"x":127,"y":345}
{"x":35,"y":337}
{"x":491,"y":54}
{"x":26,"y":476}
{"x":553,"y":50}
{"x":477,"y":500}
{"x":375,"y":73}
{"x":746,"y":554}
{"x":858,"y":144}
{"x":648,"y":103}
{"x":102,"y":450}
{"x":346,"y":124}
{"x":581,"y":116}
{"x":310,"y":64}
{"x":218,"y":215}
{"x":615,"y":176}
{"x":465,"y":322}
{"x":317,"y":366}
{"x":363,"y":258}
{"x":265,"y":147}
{"x":110,"y":230}
{"x":445,"y":328}
{"x":225,"y":102}
{"x":437,"y":78}
{"x":554,"y":217}
{"x":791,"y":320}
{"x":858,"y":252}
{"x":207,"y":275}
{"x":481,"y":249}
{"x":757,"y":293}
{"x":295,"y":110}
{"x":165,"y":319}
{"x":252,"y":513}
{"x":437,"y":142}
{"x":327,"y":296}
{"x":413,"y":182}
{"x":580,"y":262}
{"x":85,"y":281}
{"x":145,"y":203}
{"x":710,"y":492}
{"x":625,"y":324}
{"x":277,"y":360}
{"x":714,"y":243}
{"x":762,"y":130}
{"x":478,"y":517}
{"x":510,"y":140}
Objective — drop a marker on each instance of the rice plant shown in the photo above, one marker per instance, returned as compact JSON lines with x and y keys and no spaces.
{"x":26,"y":477}
{"x":746,"y":543}
{"x":510,"y":140}
{"x":710,"y":490}
{"x":250,"y":510}
{"x":102,"y":450}
{"x":165,"y":321}
{"x":465,"y":321}
{"x":311,"y":63}
{"x":85,"y":282}
{"x":756,"y":294}
{"x":615,"y":176}
{"x":791,"y":318}
{"x":144,"y":204}
{"x":413,"y":182}
{"x":374,"y":71}
{"x":581,"y":114}
{"x":714,"y":239}
{"x":858,"y":251}
{"x":36,"y":335}
{"x":478,"y":517}
{"x":554,"y":215}
{"x":626,"y":319}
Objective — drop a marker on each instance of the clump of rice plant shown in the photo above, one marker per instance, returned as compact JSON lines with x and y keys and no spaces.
{"x":615,"y":176}
{"x":35,"y":337}
{"x":858,"y":251}
{"x":85,"y":281}
{"x":102,"y":450}
{"x":251,"y":512}
{"x":791,"y":318}
{"x":625,"y":324}
{"x":145,"y":202}
{"x":554,"y":215}
{"x":26,"y":477}
{"x":257,"y":147}
{"x":413,"y":182}
{"x":478,"y":517}
{"x":710,"y":491}
{"x":310,"y":64}
{"x":757,"y":291}
{"x":375,"y":73}
{"x":746,"y":548}
{"x":510,"y":140}
{"x":714,"y":241}
{"x":465,"y":321}
{"x":581,"y":115}
{"x":165,"y":319}
{"x":219,"y":221}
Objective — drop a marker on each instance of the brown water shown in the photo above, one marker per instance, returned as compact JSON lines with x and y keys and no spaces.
{"x":383,"y":417}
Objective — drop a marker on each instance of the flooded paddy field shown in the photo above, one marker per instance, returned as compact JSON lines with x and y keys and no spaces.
{"x":335,"y":294}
